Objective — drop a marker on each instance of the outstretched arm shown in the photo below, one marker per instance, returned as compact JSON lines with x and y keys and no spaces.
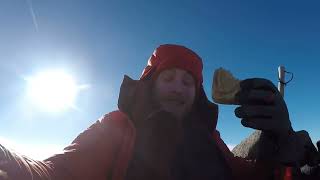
{"x":92,"y":155}
{"x":14,"y":166}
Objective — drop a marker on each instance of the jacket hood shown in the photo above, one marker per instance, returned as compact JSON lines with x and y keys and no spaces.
{"x":173,"y":56}
{"x":204,"y":110}
{"x":207,"y":110}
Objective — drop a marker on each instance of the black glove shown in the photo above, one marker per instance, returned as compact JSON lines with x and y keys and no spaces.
{"x":262,"y":107}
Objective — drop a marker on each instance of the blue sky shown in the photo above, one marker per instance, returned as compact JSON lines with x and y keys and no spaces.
{"x":97,"y":42}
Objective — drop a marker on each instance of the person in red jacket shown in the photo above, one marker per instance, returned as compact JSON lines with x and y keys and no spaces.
{"x":165,"y":128}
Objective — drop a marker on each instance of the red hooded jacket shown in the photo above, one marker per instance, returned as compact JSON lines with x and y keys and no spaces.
{"x":104,"y":150}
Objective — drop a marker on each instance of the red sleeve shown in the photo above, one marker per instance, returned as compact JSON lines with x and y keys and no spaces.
{"x":16,"y":167}
{"x":90,"y":156}
{"x":249,"y":169}
{"x":93,"y":153}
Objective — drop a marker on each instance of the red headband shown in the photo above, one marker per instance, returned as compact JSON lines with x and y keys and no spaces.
{"x":174,"y":56}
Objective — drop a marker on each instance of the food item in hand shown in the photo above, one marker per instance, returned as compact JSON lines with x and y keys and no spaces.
{"x":224,"y":87}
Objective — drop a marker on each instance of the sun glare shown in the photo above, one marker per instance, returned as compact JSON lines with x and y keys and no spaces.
{"x":52,"y":90}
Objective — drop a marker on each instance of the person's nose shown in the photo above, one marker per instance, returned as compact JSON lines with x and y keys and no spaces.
{"x":178,"y":87}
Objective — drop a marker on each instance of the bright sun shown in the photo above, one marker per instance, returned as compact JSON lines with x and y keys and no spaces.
{"x":52,"y":90}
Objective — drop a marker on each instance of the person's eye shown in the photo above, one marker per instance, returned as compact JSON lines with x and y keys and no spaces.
{"x":167,"y":76}
{"x":188,"y":81}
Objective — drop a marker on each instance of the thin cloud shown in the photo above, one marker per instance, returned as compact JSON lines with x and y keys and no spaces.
{"x":33,"y":15}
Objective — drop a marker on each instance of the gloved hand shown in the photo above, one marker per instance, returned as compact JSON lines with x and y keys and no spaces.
{"x":262,"y":107}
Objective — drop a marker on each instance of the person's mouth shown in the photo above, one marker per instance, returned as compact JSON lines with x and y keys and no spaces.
{"x":177,"y":102}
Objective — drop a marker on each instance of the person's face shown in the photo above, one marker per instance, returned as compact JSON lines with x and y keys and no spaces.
{"x":175,"y":91}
